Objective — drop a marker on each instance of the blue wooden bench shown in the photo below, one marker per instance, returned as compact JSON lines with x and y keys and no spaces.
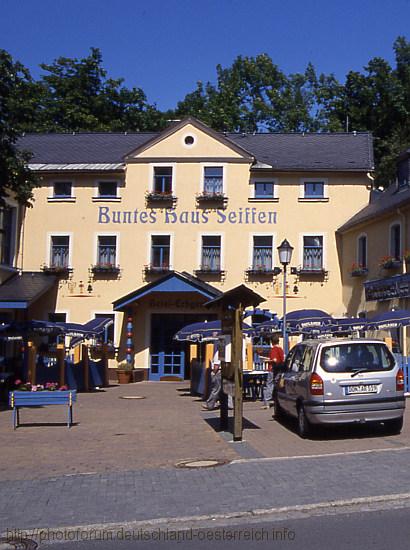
{"x":19,"y":399}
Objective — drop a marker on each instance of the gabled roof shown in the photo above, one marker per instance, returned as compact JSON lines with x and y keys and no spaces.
{"x":172,"y":282}
{"x":20,"y":291}
{"x":286,"y":152}
{"x":197,"y":124}
{"x":382,"y":203}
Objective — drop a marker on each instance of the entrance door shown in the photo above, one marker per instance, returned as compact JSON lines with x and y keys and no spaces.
{"x":167,"y":357}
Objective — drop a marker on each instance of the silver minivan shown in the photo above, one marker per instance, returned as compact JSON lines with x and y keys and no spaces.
{"x":340,"y":381}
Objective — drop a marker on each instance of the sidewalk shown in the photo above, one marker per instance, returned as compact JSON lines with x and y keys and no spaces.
{"x":233,"y":489}
{"x":118,"y":463}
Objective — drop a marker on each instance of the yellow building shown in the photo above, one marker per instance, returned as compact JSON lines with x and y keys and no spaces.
{"x":376,"y":249}
{"x":148,"y":227}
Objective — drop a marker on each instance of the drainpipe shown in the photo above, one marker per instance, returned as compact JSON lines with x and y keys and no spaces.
{"x":404,"y":267}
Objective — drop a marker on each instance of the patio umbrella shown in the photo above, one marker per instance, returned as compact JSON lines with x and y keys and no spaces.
{"x":32,"y":327}
{"x":200,"y":332}
{"x":273,"y":325}
{"x":348,"y":324}
{"x":302,"y":320}
{"x":389,"y":319}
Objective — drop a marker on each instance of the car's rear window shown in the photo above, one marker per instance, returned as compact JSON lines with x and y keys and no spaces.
{"x":356,"y":356}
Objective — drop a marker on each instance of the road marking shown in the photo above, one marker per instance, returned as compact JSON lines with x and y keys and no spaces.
{"x":324,"y":455}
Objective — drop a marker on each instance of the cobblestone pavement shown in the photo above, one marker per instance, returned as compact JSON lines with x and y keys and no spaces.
{"x":173,"y":493}
{"x":117,"y":463}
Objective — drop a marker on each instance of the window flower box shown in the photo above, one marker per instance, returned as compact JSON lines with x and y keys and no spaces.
{"x":160,"y":198}
{"x":389,"y":262}
{"x":358,"y":270}
{"x":56,"y":269}
{"x":203,"y":269}
{"x":319,"y":272}
{"x":156,"y":269}
{"x":215,"y":198}
{"x":260,"y":270}
{"x":105,"y":268}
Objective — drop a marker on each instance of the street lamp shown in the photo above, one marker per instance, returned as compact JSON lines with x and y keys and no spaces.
{"x":285,"y":256}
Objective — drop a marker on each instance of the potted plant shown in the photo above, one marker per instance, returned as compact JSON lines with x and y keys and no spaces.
{"x":124,"y":372}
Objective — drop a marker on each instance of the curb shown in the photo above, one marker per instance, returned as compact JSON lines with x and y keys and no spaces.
{"x":51,"y":535}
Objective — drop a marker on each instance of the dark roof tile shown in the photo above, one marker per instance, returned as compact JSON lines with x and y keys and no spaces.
{"x":307,"y":151}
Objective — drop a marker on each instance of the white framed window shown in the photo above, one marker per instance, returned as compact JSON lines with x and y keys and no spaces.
{"x":160,"y":251}
{"x":313,"y":252}
{"x":262,"y":255}
{"x":106,"y":250}
{"x":61,"y":190}
{"x":59,"y":250}
{"x":395,"y":241}
{"x":213,"y":180}
{"x":264,"y":189}
{"x":106,"y":190}
{"x":313,"y":189}
{"x":163,"y":179}
{"x":211,"y":252}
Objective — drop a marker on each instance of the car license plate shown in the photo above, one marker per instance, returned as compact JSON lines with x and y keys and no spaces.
{"x":361,"y":388}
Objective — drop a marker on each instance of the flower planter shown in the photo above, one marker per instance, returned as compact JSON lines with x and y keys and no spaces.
{"x":359,"y":272}
{"x":124,"y":376}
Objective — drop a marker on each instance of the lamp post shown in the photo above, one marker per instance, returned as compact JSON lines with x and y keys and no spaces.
{"x":285,"y":256}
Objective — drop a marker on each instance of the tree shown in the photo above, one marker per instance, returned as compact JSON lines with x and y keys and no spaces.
{"x":76,"y":95}
{"x":17,"y":104}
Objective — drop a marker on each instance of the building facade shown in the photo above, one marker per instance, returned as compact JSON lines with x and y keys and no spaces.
{"x":376,"y":249}
{"x":148,"y":227}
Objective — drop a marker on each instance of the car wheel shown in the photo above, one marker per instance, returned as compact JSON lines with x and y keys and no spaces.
{"x":394,"y":427}
{"x":277,"y":409}
{"x":304,"y":427}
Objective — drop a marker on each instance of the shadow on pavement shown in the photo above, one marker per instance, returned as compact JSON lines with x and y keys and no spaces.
{"x":336,"y":432}
{"x":45,"y":424}
{"x":214,"y":423}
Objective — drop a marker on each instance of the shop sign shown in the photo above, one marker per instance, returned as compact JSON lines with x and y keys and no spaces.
{"x":387,"y":289}
{"x":178,"y":303}
{"x":169,"y":216}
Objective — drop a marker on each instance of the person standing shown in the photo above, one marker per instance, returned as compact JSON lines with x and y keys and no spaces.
{"x":275,"y":362}
{"x":216,"y":385}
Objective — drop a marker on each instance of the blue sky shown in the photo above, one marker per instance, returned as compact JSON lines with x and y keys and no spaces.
{"x":166,"y":46}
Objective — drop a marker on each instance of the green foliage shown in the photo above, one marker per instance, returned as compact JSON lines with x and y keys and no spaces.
{"x":17,"y":104}
{"x":76,"y":95}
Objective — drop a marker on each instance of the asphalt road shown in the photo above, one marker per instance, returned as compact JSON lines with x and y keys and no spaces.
{"x":358,"y":529}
